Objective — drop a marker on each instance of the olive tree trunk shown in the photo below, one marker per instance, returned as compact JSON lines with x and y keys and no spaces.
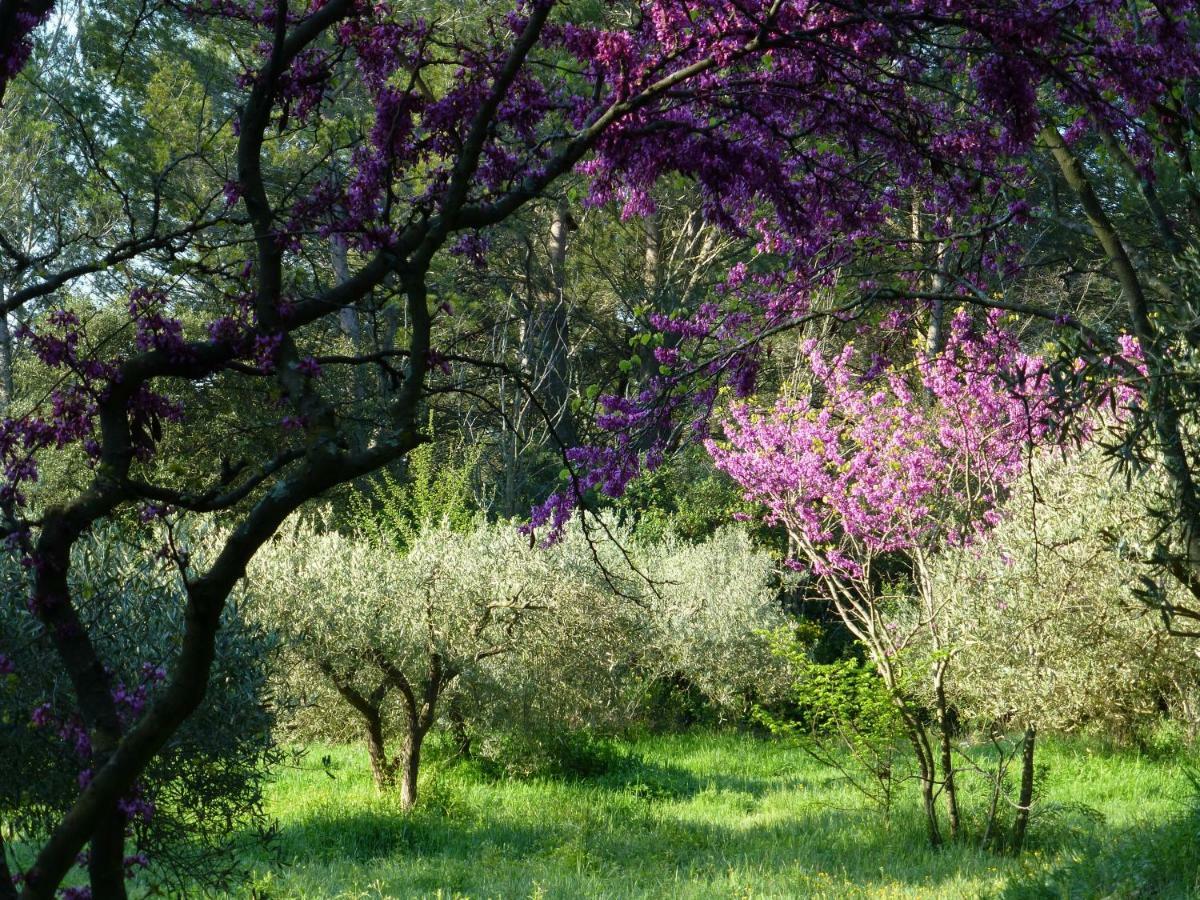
{"x":945,"y":727}
{"x":1025,"y":798}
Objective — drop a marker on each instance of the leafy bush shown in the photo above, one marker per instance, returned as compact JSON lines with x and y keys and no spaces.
{"x":648,"y":635}
{"x":1045,"y":622}
{"x":202,"y":794}
{"x":843,"y":715}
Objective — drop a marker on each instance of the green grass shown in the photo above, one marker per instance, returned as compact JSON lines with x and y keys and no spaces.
{"x":708,"y":815}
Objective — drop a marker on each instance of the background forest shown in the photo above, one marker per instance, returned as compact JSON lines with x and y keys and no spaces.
{"x":492,"y":448}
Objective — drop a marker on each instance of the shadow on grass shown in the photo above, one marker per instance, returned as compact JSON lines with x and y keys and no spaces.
{"x":633,"y":837}
{"x":1147,"y":860}
{"x":656,"y":781}
{"x":642,"y":824}
{"x":361,"y":836}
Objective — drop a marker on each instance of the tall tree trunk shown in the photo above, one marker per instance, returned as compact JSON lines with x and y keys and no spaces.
{"x":348,"y":320}
{"x":652,"y":263}
{"x":661,"y":297}
{"x":91,"y":682}
{"x":106,"y":862}
{"x":547,"y":333}
{"x":1025,"y":798}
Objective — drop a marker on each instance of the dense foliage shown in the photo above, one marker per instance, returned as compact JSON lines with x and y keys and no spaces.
{"x":1044,"y":618}
{"x":871,"y":257}
{"x":510,"y":643}
{"x":202,"y":798}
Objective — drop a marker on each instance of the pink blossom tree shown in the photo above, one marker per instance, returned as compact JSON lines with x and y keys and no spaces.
{"x":873,"y":472}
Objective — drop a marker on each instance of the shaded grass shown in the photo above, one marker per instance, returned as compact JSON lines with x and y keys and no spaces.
{"x":707,"y":815}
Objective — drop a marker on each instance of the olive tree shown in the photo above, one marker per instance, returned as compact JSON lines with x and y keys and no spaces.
{"x":478,"y":626}
{"x":1047,"y":628}
{"x":715,"y":601}
{"x":394,"y":631}
{"x":635,"y":619}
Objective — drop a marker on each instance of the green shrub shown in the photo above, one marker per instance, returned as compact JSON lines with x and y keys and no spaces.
{"x":205,"y":786}
{"x":509,"y":645}
{"x":843,"y":715}
{"x":1043,"y":617}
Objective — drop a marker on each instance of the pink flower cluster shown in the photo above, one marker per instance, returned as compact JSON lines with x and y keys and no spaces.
{"x":897,"y":458}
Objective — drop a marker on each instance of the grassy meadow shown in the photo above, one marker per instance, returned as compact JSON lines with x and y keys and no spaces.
{"x":714,"y":815}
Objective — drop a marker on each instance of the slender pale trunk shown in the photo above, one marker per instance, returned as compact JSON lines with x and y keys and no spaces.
{"x":7,"y":389}
{"x":858,"y":619}
{"x":936,"y":339}
{"x":547,"y":340}
{"x":652,"y":266}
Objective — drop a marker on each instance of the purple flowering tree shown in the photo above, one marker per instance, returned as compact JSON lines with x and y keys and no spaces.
{"x":872,"y":472}
{"x":809,"y":126}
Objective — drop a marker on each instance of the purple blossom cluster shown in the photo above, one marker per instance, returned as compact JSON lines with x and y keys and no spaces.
{"x":154,"y":330}
{"x":18,"y":43}
{"x":894,"y":458}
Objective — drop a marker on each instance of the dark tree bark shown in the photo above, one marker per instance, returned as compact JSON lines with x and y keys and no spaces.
{"x":106,"y":862}
{"x":89,"y":679}
{"x":1025,"y":798}
{"x":383,"y":768}
{"x":420,"y":713}
{"x":949,"y":782}
{"x":410,"y":764}
{"x":370,"y":709}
